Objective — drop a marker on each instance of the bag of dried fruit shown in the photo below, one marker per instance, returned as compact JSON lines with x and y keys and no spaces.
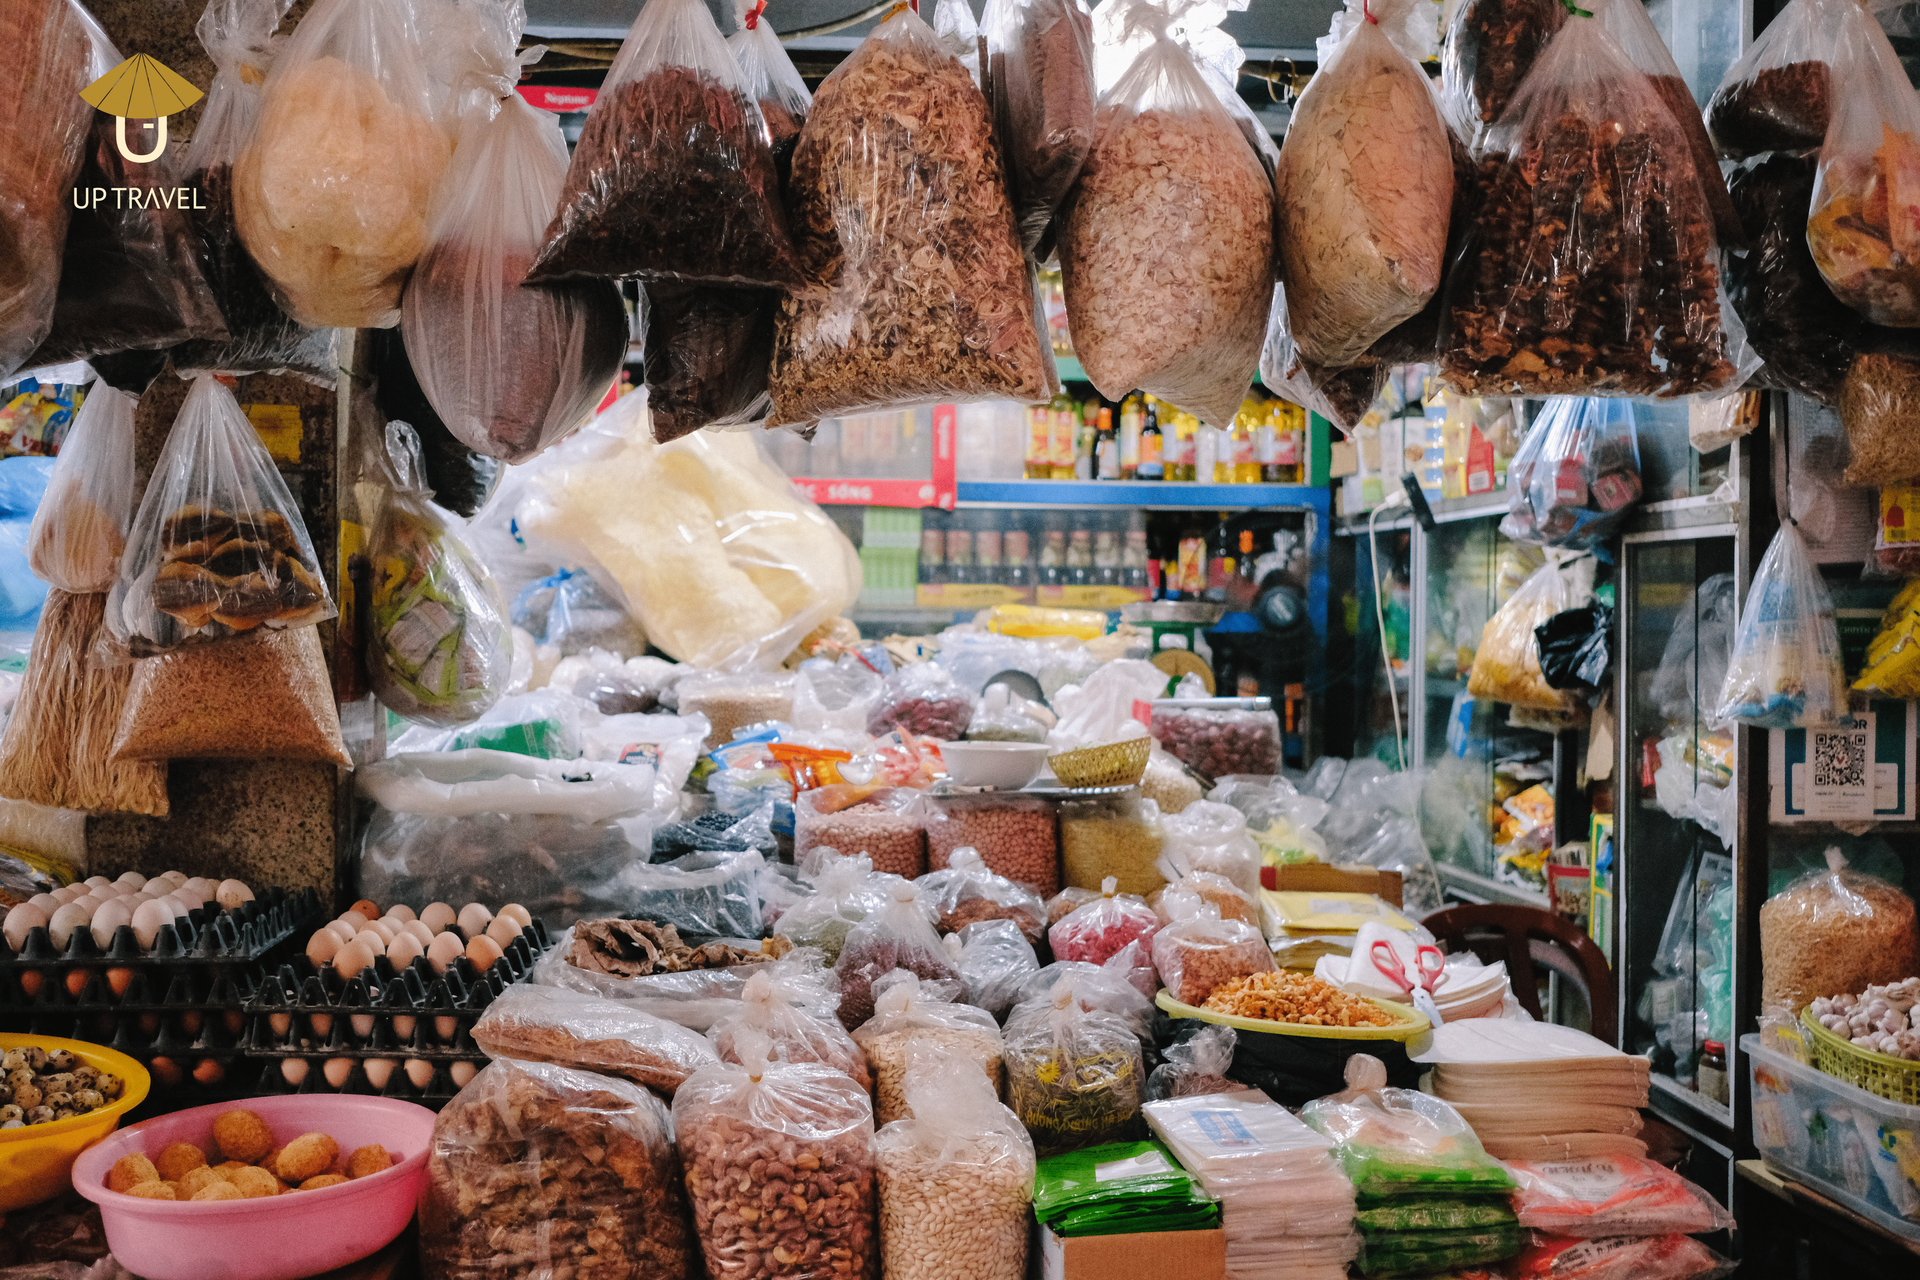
{"x":439,"y":648}
{"x":1786,"y":670}
{"x":956,"y":1177}
{"x":1364,"y":188}
{"x":1075,"y":1075}
{"x":770,"y":79}
{"x":1779,"y":95}
{"x":1096,"y":931}
{"x":1552,"y":298}
{"x":1040,"y":76}
{"x":1199,"y":950}
{"x":897,"y":936}
{"x":772,"y":1006}
{"x":1167,"y":241}
{"x":901,"y":213}
{"x":80,"y":526}
{"x":907,"y":1011}
{"x":1506,"y":666}
{"x":333,"y":190}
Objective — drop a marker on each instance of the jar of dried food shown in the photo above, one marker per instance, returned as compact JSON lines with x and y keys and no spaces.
{"x":887,"y":825}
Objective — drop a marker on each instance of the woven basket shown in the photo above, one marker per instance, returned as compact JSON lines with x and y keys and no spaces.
{"x":1894,"y":1079}
{"x":1116,"y":764}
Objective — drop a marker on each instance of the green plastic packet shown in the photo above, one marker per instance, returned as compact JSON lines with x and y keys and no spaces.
{"x":1113,"y":1181}
{"x":1403,"y":1213}
{"x":1399,"y":1141}
{"x":1199,"y":1212}
{"x":1421,"y":1252}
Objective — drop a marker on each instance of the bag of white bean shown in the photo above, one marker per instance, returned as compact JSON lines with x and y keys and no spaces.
{"x":906,"y":1012}
{"x":1200,"y":951}
{"x":956,"y":1178}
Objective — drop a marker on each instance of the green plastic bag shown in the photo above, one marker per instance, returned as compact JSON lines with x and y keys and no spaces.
{"x":1403,"y":1214}
{"x":1119,"y":1187}
{"x":1399,"y":1141}
{"x":1421,"y":1252}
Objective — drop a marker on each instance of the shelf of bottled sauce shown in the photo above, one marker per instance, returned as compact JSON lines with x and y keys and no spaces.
{"x":1151,"y":439}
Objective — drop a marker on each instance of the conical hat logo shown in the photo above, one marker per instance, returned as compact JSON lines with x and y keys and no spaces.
{"x":142,"y":88}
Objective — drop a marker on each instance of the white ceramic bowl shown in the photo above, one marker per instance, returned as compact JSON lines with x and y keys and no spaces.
{"x":994,"y":764}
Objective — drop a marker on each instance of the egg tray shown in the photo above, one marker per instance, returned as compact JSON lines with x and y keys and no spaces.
{"x":439,"y":1091}
{"x":227,"y":941}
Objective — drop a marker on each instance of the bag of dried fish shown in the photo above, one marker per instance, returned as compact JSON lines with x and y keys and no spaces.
{"x":901,"y":213}
{"x":218,"y":547}
{"x":440,"y":647}
{"x":1167,"y":241}
{"x":673,"y":178}
{"x":1040,"y":75}
{"x":1594,"y":268}
{"x":80,"y":526}
{"x":1364,"y":190}
{"x":771,"y":80}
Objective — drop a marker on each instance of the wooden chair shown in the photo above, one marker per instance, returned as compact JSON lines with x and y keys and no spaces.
{"x":1530,"y":939}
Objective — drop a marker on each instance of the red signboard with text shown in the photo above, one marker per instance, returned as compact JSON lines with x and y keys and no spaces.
{"x":561,"y":98}
{"x":937,"y":490}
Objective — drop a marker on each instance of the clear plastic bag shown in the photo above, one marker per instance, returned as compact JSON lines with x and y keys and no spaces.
{"x":1400,"y":1141}
{"x":1576,"y":476}
{"x":1862,"y":223}
{"x":1880,"y":410}
{"x":966,"y":892}
{"x":958,"y":34}
{"x":332,"y":192}
{"x":1614,"y":1195}
{"x":1212,"y":838}
{"x":1196,"y":237}
{"x":439,"y":647}
{"x":896,"y":936}
{"x":843,"y":894}
{"x":770,"y":78}
{"x":697,"y":999}
{"x":1196,"y":1067}
{"x":995,"y":962}
{"x":1097,"y":931}
{"x":1186,"y":885}
{"x":1506,"y":666}
{"x":1834,"y":932}
{"x":537,"y":1167}
{"x":1626,"y":302}
{"x":905,"y":1014}
{"x":1124,"y":985}
{"x":710,"y":894}
{"x":772,"y":1006}
{"x":922,"y":699}
{"x":1490,"y":47}
{"x":1341,"y":396}
{"x":1001,"y":717}
{"x":1040,"y":77}
{"x":1694,"y":663}
{"x":1364,"y":192}
{"x":1785,"y":671}
{"x":80,"y":526}
{"x":1218,"y":736}
{"x":673,"y":177}
{"x":900,"y":207}
{"x":745,"y":1130}
{"x":1199,"y":951}
{"x":218,"y":547}
{"x":1075,"y":1076}
{"x":47,"y":123}
{"x":509,"y":369}
{"x":956,"y":1178}
{"x":1668,"y":1257}
{"x":571,"y":1029}
{"x":708,"y":351}
{"x":1779,"y":95}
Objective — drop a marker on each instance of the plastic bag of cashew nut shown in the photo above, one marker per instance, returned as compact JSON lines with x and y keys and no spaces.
{"x":955,"y":1178}
{"x":544,"y":1170}
{"x":908,"y":1012}
{"x":779,"y":1167}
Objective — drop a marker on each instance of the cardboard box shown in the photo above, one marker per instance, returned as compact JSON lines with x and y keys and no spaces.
{"x":1152,"y":1255}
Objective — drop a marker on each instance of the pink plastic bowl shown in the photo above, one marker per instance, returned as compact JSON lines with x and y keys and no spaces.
{"x":275,"y":1237}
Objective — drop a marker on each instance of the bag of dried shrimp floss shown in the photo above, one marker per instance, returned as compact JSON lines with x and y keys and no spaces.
{"x":1167,"y":243}
{"x":901,"y":214}
{"x":1833,"y":932}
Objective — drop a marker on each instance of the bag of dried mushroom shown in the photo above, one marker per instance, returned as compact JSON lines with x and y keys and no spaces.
{"x":1167,"y":241}
{"x":902,"y":218}
{"x":1779,"y":95}
{"x":1490,"y":47}
{"x":540,"y":1170}
{"x":1040,"y":76}
{"x":218,"y":547}
{"x":80,"y":527}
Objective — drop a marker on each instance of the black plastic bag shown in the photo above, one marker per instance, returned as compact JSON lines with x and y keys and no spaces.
{"x":1576,"y":647}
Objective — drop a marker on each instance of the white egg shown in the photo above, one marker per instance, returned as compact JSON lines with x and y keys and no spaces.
{"x":95,"y":900}
{"x":382,"y":930}
{"x":372,"y":941}
{"x":379,"y":1071}
{"x":474,"y":919}
{"x":343,"y":931}
{"x":294,"y":1070}
{"x":68,"y":892}
{"x":337,"y":1070}
{"x":68,"y":918}
{"x":414,"y":929}
{"x":96,"y":882}
{"x":202,"y":886}
{"x":446,"y":949}
{"x":518,"y":912}
{"x":404,"y":950}
{"x":47,"y":903}
{"x":503,"y":930}
{"x":148,"y":919}
{"x":438,"y":916}
{"x":174,"y":879}
{"x":133,"y":879}
{"x":22,"y":918}
{"x":123,"y":891}
{"x":232,"y":895}
{"x":461,"y":1073}
{"x":107,"y":921}
{"x":183,"y":903}
{"x":420,"y":1071}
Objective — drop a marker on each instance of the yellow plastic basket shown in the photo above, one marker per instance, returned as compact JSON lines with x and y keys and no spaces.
{"x":1115,"y":764}
{"x":1894,"y":1079}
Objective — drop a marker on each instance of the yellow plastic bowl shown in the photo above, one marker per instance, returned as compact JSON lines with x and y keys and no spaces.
{"x":36,"y":1161}
{"x":1407,"y":1024}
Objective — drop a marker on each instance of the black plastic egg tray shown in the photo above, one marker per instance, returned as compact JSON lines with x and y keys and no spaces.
{"x":311,"y":1016}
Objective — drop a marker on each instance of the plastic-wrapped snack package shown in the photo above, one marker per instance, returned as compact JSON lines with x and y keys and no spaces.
{"x":55,"y":45}
{"x":801,"y":1127}
{"x":439,"y":646}
{"x":332,"y":192}
{"x":843,"y":894}
{"x":1612,"y":1195}
{"x":673,"y":177}
{"x":1892,"y":668}
{"x":1643,"y":313}
{"x":1490,"y":47}
{"x":1364,"y":191}
{"x":965,"y":891}
{"x":906,"y":1013}
{"x":217,"y":547}
{"x":995,"y":962}
{"x":1173,"y":208}
{"x":1199,"y":951}
{"x":1786,"y":670}
{"x":1075,"y":1076}
{"x":1185,"y":884}
{"x":1213,"y":839}
{"x":922,"y":699}
{"x":571,"y":1029}
{"x":1576,"y":476}
{"x":901,"y":211}
{"x":1125,"y":985}
{"x":1040,"y":77}
{"x":770,"y":1007}
{"x":896,"y":936}
{"x":1779,"y":95}
{"x":1506,"y":666}
{"x":538,"y":1168}
{"x":956,"y":1177}
{"x":1863,"y":226}
{"x":1002,"y":716}
{"x":509,"y":368}
{"x":1196,"y":1066}
{"x":1400,"y":1141}
{"x":80,"y":527}
{"x":1096,"y":931}
{"x":770,"y":79}
{"x":1834,"y":931}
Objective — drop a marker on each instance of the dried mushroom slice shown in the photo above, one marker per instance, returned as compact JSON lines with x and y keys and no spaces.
{"x":186,"y":592}
{"x":192,"y":533}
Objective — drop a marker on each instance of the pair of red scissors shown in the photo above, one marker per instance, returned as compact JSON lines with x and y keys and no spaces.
{"x":1429,"y":972}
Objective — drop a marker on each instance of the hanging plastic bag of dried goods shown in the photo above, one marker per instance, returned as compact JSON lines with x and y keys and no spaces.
{"x":1167,"y":243}
{"x":1864,"y":225}
{"x":901,"y":212}
{"x":1040,"y":76}
{"x":958,"y":33}
{"x":52,"y":47}
{"x":261,"y":338}
{"x":331,"y":193}
{"x":262,"y":695}
{"x":509,"y":368}
{"x":1779,"y":95}
{"x":218,"y":547}
{"x":673,"y":177}
{"x":439,"y":648}
{"x":708,"y":350}
{"x":80,"y":526}
{"x":1785,"y":671}
{"x":1594,"y":268}
{"x":1506,"y":667}
{"x":1576,"y":476}
{"x":1490,"y":47}
{"x":1364,"y":189}
{"x":770,"y":78}
{"x":1880,"y":410}
{"x":1341,"y":396}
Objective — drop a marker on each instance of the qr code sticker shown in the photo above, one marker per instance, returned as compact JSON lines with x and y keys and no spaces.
{"x":1839,"y":758}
